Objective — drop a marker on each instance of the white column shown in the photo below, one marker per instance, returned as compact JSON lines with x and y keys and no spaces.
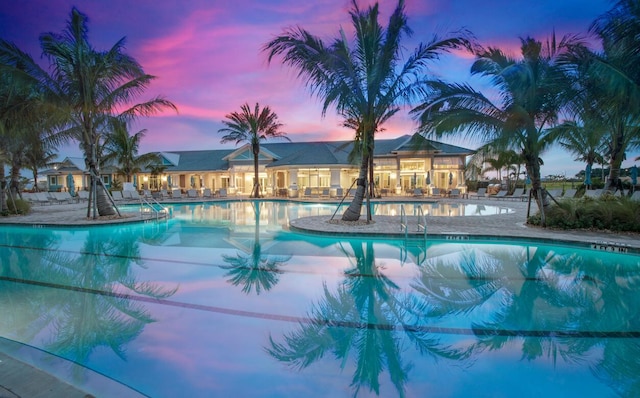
{"x":293,"y":183}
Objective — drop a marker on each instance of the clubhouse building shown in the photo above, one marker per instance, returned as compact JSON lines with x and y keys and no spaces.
{"x":290,"y":169}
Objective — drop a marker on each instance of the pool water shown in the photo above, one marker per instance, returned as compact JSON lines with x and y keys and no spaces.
{"x":223,"y":300}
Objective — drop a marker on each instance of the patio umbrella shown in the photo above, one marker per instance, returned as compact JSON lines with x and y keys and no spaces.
{"x":428,"y":179}
{"x":414,"y":180}
{"x":135,"y":181}
{"x":587,"y":175}
{"x":169,"y":181}
{"x":450,"y":178}
{"x":634,"y":175}
{"x":71,"y":185}
{"x":193,"y":181}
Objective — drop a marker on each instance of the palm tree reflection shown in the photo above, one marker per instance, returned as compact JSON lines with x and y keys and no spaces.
{"x":362,"y":319}
{"x":553,"y":305}
{"x":252,"y":269}
{"x":99,"y":312}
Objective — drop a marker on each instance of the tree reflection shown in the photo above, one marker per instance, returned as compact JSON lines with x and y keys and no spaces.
{"x":554,"y":305}
{"x":362,"y":319}
{"x":253,"y":270}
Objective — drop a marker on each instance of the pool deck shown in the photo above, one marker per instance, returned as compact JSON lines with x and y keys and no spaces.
{"x":22,"y":380}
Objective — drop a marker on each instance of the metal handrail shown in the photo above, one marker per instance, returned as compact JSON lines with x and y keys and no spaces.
{"x":422,"y":217}
{"x":403,"y":222}
{"x":144,"y":201}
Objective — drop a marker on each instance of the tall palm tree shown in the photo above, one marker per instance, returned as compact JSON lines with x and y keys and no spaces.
{"x":122,"y":149}
{"x":615,"y":78}
{"x":252,"y":127}
{"x":529,"y":102}
{"x":89,"y":87}
{"x":362,"y":78}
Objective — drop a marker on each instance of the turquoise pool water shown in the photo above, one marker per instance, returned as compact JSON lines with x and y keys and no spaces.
{"x":221,"y":300}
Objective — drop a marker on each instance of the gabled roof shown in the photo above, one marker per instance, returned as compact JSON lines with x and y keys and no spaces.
{"x":264,"y":153}
{"x":170,"y":158}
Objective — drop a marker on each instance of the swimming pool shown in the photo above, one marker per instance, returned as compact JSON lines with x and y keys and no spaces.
{"x":221,"y":300}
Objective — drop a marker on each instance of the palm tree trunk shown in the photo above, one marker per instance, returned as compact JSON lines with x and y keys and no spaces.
{"x":533,"y":170}
{"x":353,"y":211}
{"x":3,"y":202}
{"x":255,"y":192}
{"x":615,"y":162}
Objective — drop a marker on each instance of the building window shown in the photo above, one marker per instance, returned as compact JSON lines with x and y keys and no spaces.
{"x":412,"y":165}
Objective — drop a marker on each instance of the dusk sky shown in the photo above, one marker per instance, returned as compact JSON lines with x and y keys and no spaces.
{"x":207,"y":55}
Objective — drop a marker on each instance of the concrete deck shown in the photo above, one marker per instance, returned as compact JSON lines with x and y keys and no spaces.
{"x":21,"y":380}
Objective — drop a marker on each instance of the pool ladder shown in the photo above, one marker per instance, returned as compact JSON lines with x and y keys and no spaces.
{"x":150,"y":205}
{"x":404,"y":222}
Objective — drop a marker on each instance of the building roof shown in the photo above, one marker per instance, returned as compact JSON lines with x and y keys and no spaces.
{"x":290,"y":154}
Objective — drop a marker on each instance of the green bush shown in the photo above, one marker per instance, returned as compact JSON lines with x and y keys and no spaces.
{"x":606,"y":213}
{"x":22,"y":206}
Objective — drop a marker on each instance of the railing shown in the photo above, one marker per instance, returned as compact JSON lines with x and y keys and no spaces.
{"x":153,"y":206}
{"x":404,"y":222}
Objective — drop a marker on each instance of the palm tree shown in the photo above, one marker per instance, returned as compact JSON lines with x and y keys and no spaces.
{"x":122,"y":149}
{"x":88,"y":87}
{"x":615,"y":80}
{"x":363,"y":79}
{"x":252,"y":127}
{"x":530,"y":101}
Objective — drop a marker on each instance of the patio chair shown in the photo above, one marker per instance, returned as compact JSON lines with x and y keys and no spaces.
{"x":593,"y":193}
{"x":500,"y":195}
{"x":482,"y":192}
{"x":83,"y":195}
{"x":42,"y":198}
{"x":176,"y":193}
{"x":117,"y":195}
{"x":555,"y":193}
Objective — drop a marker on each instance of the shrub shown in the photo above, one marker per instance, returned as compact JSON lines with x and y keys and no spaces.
{"x":22,"y":206}
{"x":606,"y":213}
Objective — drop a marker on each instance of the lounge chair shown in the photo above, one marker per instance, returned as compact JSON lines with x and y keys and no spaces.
{"x":222,"y":193}
{"x":570,"y":193}
{"x":176,"y":193}
{"x":455,"y":193}
{"x":593,"y":193}
{"x":325,"y":193}
{"x":500,"y":195}
{"x":524,"y":196}
{"x":307,"y":193}
{"x":418,"y":193}
{"x":117,"y":195}
{"x":62,"y":197}
{"x":207,"y":193}
{"x":555,"y":193}
{"x":192,"y":194}
{"x":83,"y":195}
{"x":42,"y":198}
{"x":435,"y":192}
{"x":164,"y":194}
{"x":635,"y":196}
{"x":482,"y":192}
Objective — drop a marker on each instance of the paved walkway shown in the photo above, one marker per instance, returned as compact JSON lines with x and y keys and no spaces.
{"x":27,"y":381}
